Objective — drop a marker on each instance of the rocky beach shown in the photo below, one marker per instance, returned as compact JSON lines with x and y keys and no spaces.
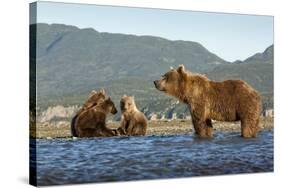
{"x":61,"y":129}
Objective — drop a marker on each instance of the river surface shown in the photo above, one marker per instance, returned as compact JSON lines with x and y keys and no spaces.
{"x":64,"y":161}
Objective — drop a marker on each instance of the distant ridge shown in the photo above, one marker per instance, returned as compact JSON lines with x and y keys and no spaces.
{"x":265,"y":57}
{"x":257,"y":70}
{"x":72,"y":61}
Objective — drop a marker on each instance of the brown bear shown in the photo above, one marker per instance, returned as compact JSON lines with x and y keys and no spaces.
{"x":92,"y":121}
{"x":229,"y":100}
{"x":133,"y":122}
{"x":92,"y":100}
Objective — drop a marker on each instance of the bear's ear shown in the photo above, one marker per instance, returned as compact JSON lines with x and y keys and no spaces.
{"x":124,"y":96}
{"x":171,"y":68}
{"x":181,"y":69}
{"x":92,"y":93}
{"x":102,"y":91}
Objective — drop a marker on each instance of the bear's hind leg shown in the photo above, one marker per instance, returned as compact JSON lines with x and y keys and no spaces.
{"x":87,"y":132}
{"x":249,"y":127}
{"x":139,"y":130}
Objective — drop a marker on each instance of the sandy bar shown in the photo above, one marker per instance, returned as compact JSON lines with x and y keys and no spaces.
{"x":157,"y":127}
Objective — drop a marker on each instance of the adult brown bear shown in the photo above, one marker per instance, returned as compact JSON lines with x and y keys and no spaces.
{"x":93,"y":99}
{"x":92,"y":122}
{"x":230,"y":100}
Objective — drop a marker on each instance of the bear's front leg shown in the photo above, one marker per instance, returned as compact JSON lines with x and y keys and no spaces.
{"x":201,"y":128}
{"x":122,"y":129}
{"x":209,"y":128}
{"x":116,"y":132}
{"x":130,"y":128}
{"x":106,"y":132}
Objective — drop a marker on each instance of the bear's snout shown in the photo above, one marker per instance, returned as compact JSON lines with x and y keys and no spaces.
{"x":114,"y":111}
{"x":158,"y":85}
{"x":155,"y":83}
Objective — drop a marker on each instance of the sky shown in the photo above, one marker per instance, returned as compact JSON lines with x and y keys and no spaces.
{"x":230,"y":36}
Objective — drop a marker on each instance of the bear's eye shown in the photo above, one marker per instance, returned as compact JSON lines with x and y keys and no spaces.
{"x":129,"y":104}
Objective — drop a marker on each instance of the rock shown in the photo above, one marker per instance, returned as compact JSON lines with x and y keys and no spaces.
{"x":58,"y":111}
{"x":268,"y":113}
{"x":153,"y":117}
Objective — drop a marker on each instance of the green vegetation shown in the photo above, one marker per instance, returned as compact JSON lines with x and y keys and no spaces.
{"x":70,"y":62}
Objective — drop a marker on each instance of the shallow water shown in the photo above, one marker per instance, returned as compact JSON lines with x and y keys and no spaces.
{"x":61,"y":161}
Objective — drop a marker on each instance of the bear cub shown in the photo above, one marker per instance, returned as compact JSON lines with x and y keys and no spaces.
{"x":92,"y":121}
{"x":93,"y":99}
{"x":133,"y":122}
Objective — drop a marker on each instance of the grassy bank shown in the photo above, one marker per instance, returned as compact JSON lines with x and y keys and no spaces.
{"x":159,"y":127}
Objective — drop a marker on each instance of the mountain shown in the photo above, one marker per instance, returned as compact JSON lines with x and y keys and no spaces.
{"x":265,"y":57}
{"x":70,"y":62}
{"x":257,"y":70}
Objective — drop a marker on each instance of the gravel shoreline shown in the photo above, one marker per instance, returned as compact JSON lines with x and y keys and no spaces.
{"x":157,"y":127}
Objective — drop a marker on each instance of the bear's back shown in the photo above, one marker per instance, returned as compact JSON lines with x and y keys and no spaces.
{"x":237,"y":88}
{"x":92,"y":117}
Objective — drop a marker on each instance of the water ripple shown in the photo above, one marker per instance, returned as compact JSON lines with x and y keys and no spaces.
{"x":61,"y":161}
